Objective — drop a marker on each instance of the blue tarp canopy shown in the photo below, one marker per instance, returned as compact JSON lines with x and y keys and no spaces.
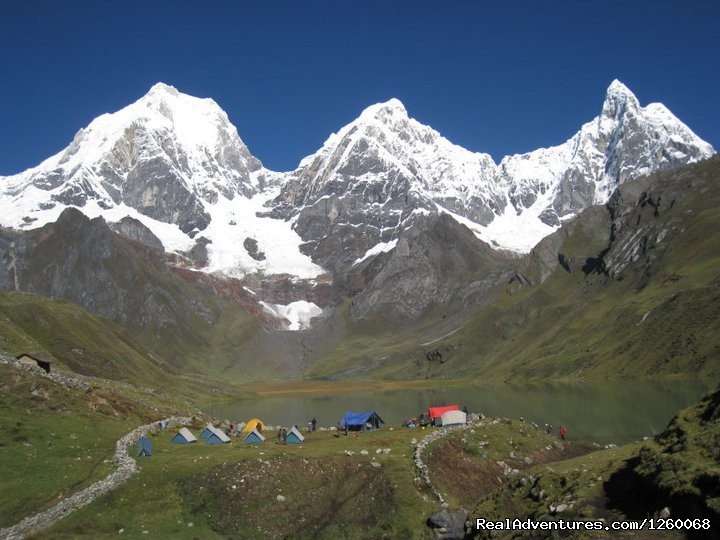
{"x":361,"y":420}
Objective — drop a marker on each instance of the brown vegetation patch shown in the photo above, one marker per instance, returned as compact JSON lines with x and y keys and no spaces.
{"x":558,"y":451}
{"x":462,"y":476}
{"x":470,"y":479}
{"x":95,"y":402}
{"x":298,"y":497}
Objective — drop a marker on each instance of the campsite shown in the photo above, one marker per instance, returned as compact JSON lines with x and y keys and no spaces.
{"x":248,"y":490}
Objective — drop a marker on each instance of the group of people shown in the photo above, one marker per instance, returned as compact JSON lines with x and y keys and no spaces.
{"x":562,"y":430}
{"x":282,"y":436}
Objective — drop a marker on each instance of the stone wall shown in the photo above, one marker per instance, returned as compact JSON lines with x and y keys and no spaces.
{"x":126,"y":465}
{"x":435,"y":434}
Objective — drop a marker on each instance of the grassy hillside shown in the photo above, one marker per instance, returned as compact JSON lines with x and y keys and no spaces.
{"x":674,"y":475}
{"x":80,"y":342}
{"x":380,"y":348}
{"x":185,"y":323}
{"x":75,"y":339}
{"x":680,"y":469}
{"x":313,"y":490}
{"x":55,"y":441}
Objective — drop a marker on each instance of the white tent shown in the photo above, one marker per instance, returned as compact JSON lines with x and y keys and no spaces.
{"x":453,"y":418}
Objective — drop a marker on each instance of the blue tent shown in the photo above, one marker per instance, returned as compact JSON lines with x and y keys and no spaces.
{"x":294,"y":436}
{"x":205,"y":433}
{"x":361,"y":420}
{"x":144,"y":447}
{"x":184,"y":436}
{"x":254,"y":437}
{"x":217,"y":437}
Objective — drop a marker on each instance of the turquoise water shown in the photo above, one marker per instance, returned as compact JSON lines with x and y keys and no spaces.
{"x":603,"y":412}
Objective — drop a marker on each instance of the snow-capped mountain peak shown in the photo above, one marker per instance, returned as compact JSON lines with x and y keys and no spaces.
{"x":624,"y":141}
{"x":176,"y":164}
{"x":389,"y":165}
{"x":160,"y":88}
{"x":387,"y":112}
{"x":166,"y":155}
{"x":617,"y":91}
{"x":197,"y":125}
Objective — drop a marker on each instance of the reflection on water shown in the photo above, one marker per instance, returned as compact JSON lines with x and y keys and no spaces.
{"x":614,"y":411}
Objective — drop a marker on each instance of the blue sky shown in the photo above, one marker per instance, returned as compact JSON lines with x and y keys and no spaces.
{"x":497,"y":77}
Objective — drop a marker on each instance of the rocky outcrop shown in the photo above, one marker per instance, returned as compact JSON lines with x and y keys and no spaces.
{"x":451,"y":524}
{"x":437,"y":261}
{"x":134,"y":230}
{"x":251,"y":246}
{"x":85,"y":262}
{"x":644,"y":216}
{"x":636,"y":225}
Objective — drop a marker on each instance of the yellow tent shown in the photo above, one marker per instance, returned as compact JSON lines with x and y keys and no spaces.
{"x":253,"y":424}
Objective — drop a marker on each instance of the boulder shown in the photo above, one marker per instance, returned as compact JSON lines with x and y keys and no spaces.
{"x":449,"y":524}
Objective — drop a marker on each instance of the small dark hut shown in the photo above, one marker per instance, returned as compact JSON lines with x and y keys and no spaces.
{"x":34,"y":359}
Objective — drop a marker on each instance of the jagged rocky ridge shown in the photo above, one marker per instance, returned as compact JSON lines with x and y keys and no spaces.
{"x":170,"y":170}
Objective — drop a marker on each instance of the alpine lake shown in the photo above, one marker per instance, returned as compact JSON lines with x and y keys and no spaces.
{"x":602,"y":412}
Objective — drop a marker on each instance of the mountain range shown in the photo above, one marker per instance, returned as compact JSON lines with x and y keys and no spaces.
{"x":172,"y":159}
{"x":387,"y":223}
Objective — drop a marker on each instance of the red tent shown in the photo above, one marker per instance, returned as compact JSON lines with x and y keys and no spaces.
{"x":437,"y":412}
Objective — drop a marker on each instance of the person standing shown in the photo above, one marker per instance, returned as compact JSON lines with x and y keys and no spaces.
{"x":562,"y":432}
{"x":313,"y":423}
